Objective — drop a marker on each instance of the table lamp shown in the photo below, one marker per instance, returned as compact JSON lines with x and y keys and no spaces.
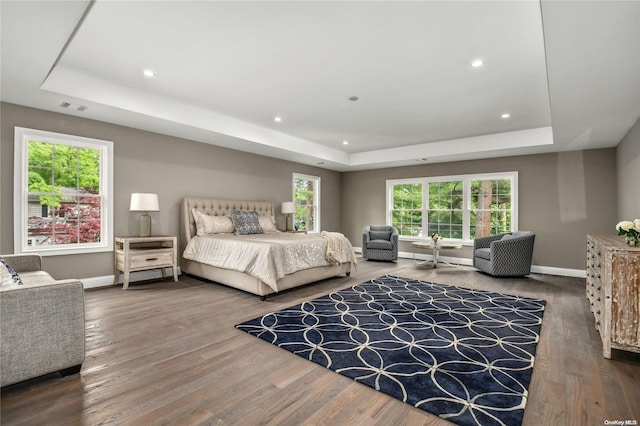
{"x":144,"y":202}
{"x":288,"y":208}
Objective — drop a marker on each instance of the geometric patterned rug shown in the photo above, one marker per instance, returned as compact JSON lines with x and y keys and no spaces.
{"x":462,"y":354}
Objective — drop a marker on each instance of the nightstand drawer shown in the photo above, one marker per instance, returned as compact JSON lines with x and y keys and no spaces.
{"x":149,"y":258}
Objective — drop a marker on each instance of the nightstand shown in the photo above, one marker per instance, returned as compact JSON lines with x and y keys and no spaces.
{"x":144,"y":253}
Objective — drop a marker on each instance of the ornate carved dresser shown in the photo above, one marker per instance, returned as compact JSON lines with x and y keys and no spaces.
{"x":613,"y":291}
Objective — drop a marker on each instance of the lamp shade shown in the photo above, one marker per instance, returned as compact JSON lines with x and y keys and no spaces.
{"x":144,"y":202}
{"x":288,"y":207}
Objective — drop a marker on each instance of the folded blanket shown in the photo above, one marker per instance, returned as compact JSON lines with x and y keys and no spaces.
{"x":339,"y":249}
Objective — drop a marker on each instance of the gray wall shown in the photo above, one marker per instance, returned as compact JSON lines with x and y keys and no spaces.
{"x":562,"y":198}
{"x":171,"y":167}
{"x":628,"y":156}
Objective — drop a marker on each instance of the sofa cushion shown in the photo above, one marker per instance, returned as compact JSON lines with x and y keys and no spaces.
{"x":7,"y":275}
{"x":380,"y":245}
{"x":484,"y":253}
{"x":36,"y":277}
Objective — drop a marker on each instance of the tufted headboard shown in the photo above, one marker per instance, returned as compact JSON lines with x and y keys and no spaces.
{"x":215,"y":207}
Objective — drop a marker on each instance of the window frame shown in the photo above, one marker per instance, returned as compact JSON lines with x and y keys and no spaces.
{"x":466,"y":200}
{"x":316,"y":198}
{"x":22,"y":137}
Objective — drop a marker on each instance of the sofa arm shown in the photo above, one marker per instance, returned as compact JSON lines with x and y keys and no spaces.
{"x":42,"y":328}
{"x":23,"y":262}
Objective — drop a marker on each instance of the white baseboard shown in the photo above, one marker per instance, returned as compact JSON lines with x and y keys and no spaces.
{"x":107,"y":280}
{"x":565,"y":272}
{"x":549,"y":270}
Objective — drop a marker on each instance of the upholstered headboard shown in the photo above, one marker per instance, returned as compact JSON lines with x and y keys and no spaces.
{"x":214,"y":207}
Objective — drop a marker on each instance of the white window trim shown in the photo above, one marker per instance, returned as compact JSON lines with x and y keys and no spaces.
{"x":22,"y":137}
{"x":316,"y":197}
{"x":466,"y":200}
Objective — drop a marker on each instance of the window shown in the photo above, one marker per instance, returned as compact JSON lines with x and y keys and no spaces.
{"x":456,"y":207}
{"x":63,"y":193}
{"x":306,"y":193}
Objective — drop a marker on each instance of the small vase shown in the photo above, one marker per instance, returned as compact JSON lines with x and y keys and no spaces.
{"x":633,"y":241}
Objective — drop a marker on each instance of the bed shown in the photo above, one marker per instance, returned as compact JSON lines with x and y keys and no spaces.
{"x":269,"y":263}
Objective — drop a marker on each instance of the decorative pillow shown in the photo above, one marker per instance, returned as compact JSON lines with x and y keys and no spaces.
{"x":380,"y":235}
{"x":508,"y":236}
{"x":206,"y":224}
{"x":268,"y":223}
{"x":246,"y":222}
{"x":8,"y":275}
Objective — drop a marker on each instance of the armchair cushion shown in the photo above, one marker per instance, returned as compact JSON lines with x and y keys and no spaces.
{"x":484,"y":253}
{"x":380,"y":235}
{"x":380,"y":245}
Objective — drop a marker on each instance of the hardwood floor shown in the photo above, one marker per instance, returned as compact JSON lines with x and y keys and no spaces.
{"x":167,"y":353}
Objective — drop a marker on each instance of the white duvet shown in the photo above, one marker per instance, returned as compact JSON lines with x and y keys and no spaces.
{"x":269,"y":257}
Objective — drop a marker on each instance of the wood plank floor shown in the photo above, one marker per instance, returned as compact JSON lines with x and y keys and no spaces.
{"x":164,"y":353}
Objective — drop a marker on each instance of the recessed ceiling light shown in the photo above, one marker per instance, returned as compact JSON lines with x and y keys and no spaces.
{"x":505,"y":115}
{"x":149,"y":73}
{"x":277,"y":119}
{"x":477,"y":63}
{"x":353,"y":98}
{"x":345,"y":142}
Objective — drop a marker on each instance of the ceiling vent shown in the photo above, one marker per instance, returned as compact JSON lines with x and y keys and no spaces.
{"x":75,"y":107}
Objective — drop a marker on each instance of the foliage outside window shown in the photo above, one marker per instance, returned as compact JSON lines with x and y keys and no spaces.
{"x":306,"y":194}
{"x":456,"y":207}
{"x":63,"y":192}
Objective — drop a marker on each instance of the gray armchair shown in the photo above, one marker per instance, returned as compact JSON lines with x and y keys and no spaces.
{"x":504,"y":255}
{"x":380,"y":243}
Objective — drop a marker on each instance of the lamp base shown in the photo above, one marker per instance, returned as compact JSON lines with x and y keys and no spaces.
{"x":145,"y":225}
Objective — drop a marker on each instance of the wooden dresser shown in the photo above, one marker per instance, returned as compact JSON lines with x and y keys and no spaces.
{"x":613,"y":291}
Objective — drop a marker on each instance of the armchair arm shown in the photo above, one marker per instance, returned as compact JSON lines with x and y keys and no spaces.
{"x":485,"y":242}
{"x":394,"y":240}
{"x":24,"y":262}
{"x":365,"y":234}
{"x":512,"y":256}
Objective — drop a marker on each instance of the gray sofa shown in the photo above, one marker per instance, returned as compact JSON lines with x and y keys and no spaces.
{"x":42,"y":324}
{"x":504,"y":255}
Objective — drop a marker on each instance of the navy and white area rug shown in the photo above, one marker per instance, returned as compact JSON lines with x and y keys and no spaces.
{"x":462,"y":354}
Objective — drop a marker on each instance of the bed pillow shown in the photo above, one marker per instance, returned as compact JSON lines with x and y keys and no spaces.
{"x":8,"y":275}
{"x":206,"y":224}
{"x":268,"y":224}
{"x":246,"y":222}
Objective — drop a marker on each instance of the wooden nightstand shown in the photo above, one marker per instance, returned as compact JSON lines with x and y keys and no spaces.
{"x":144,"y":253}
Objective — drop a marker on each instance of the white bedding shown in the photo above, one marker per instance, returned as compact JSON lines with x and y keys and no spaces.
{"x":267,"y":257}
